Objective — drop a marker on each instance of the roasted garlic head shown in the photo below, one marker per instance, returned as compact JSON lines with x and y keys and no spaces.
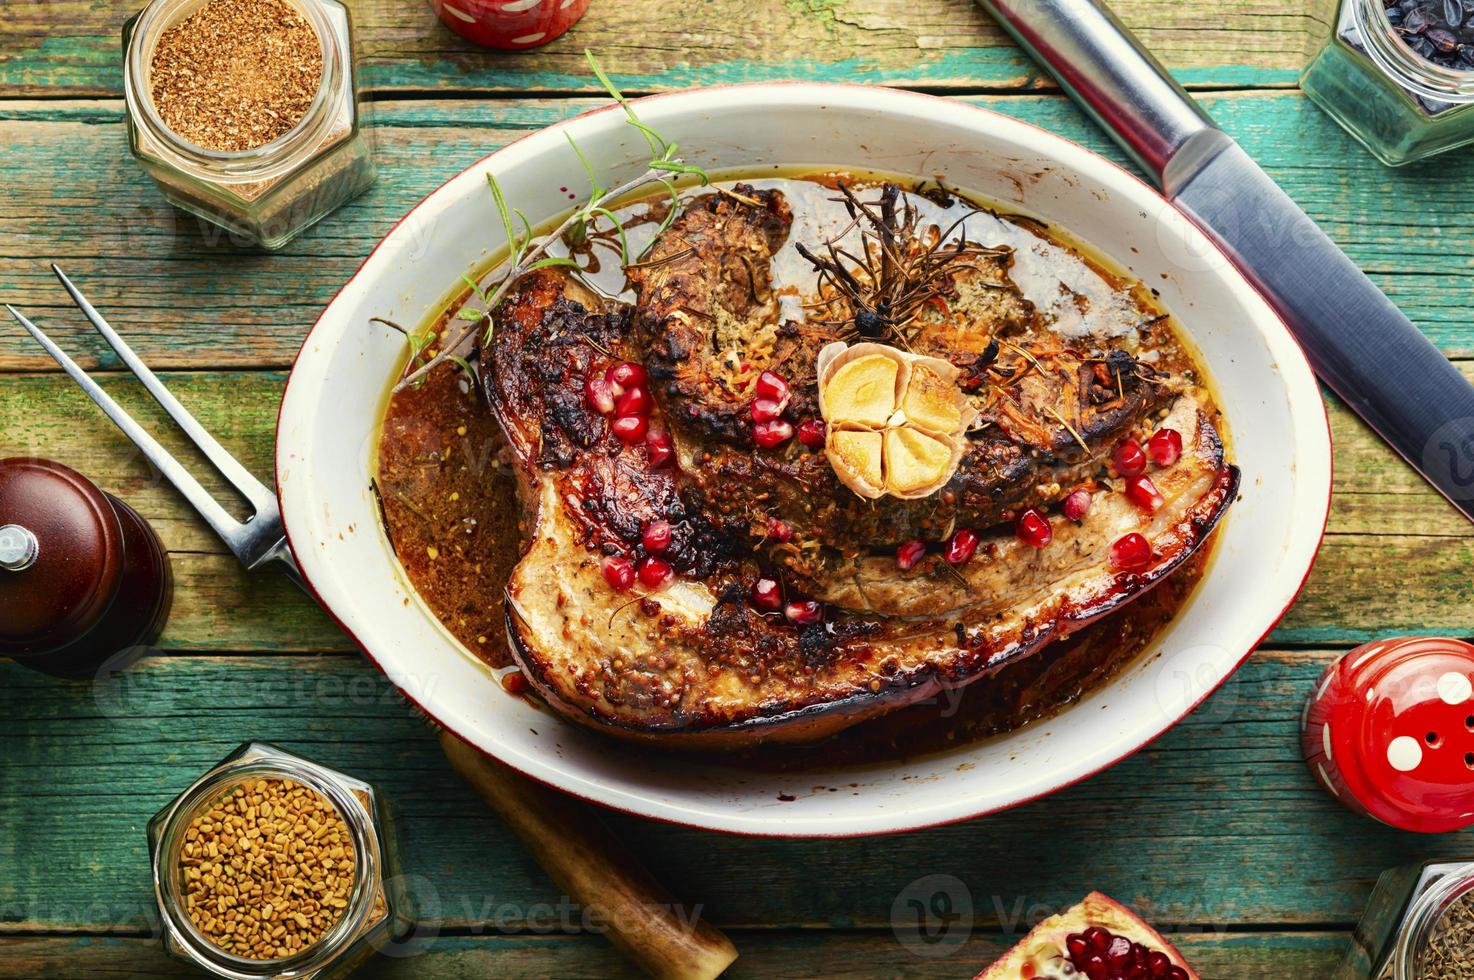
{"x":896,"y":421}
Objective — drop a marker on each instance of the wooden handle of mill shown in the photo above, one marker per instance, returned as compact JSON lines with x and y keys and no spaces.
{"x":585,"y":860}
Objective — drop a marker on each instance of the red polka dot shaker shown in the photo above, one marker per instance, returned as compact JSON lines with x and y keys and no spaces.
{"x":510,"y":24}
{"x":1389,"y":730}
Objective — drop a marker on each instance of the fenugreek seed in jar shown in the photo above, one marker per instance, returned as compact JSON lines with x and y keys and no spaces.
{"x":268,"y":870}
{"x":272,"y":866}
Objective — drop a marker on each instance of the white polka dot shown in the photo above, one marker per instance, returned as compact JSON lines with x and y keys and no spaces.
{"x":517,"y":6}
{"x":1367,"y":654}
{"x":1455,"y":688}
{"x":1404,"y":753}
{"x":1327,"y":781}
{"x":1325,"y":737}
{"x":530,"y":38}
{"x":1330,"y":676}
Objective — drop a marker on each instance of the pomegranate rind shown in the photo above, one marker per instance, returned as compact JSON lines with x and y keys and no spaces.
{"x":1043,"y":948}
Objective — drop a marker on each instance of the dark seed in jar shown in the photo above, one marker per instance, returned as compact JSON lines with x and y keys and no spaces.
{"x":1439,"y":31}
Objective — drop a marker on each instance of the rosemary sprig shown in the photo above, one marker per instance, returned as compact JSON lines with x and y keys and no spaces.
{"x":527,"y":253}
{"x":901,"y":266}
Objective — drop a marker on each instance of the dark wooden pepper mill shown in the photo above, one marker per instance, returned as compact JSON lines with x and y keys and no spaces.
{"x":83,"y":578}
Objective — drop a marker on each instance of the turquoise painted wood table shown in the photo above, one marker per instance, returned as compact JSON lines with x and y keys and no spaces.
{"x":1216,"y":831}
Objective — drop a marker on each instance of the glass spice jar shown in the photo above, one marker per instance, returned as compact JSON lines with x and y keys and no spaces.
{"x":376,"y":911}
{"x":1400,"y":104}
{"x":1416,"y":914}
{"x":268,"y":194}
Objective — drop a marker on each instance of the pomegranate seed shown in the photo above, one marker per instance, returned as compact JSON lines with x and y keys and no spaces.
{"x":618,"y":572}
{"x":1165,"y":446}
{"x":1102,"y":955}
{"x":625,"y":375}
{"x":774,"y":387}
{"x":961,"y":547}
{"x":1142,"y":492}
{"x":634,"y":401}
{"x":772,"y":433}
{"x":630,"y":429}
{"x":811,"y":433}
{"x":600,"y":395}
{"x":1130,"y":553}
{"x":908,"y":554}
{"x":656,"y":536}
{"x":779,"y":531}
{"x":653,"y":572}
{"x":765,"y":410}
{"x":767,"y":595}
{"x":1077,"y":505}
{"x":1032,"y":528}
{"x":1129,"y":459}
{"x":804,"y":613}
{"x":659,"y":448}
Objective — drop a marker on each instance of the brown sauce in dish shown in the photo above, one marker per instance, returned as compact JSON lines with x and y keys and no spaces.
{"x":450,"y":510}
{"x":450,"y":507}
{"x":1024,"y":692}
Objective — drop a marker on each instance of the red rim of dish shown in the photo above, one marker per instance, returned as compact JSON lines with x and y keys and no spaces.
{"x":904,"y":827}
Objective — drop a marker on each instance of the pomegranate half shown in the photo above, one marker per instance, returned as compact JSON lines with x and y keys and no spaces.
{"x":1099,"y":939}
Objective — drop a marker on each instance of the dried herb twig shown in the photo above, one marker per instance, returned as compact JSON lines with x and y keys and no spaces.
{"x":900,"y":266}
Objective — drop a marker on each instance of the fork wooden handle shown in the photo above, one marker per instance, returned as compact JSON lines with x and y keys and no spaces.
{"x":590,"y":864}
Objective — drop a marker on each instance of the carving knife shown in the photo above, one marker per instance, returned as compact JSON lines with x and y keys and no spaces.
{"x":1360,"y":345}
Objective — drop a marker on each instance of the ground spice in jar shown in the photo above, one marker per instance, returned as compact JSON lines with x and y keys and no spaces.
{"x":236,"y":74}
{"x":1449,"y":954}
{"x":268,"y":869}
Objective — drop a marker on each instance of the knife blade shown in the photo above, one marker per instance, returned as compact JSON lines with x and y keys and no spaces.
{"x":1358,"y":342}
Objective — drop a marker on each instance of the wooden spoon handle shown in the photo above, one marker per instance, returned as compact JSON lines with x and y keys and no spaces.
{"x":585,"y":860}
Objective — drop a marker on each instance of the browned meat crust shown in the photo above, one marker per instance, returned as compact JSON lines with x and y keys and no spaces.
{"x":694,"y":663}
{"x":533,"y":373}
{"x":708,"y":324}
{"x":706,"y":296}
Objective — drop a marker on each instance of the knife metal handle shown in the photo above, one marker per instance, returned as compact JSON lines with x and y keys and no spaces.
{"x":1103,"y":66}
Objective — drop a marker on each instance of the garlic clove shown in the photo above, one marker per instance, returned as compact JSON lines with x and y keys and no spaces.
{"x":856,"y":457}
{"x":863,"y":391}
{"x":915,"y":462}
{"x":931,"y":400}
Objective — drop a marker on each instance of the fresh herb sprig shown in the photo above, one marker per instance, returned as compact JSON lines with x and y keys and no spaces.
{"x":528,"y":253}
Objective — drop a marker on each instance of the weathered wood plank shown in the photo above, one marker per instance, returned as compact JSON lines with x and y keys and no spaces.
{"x":1384,"y":521}
{"x":1217,"y":824}
{"x":71,"y":47}
{"x":217,"y":605}
{"x":188,"y":299}
{"x":1250,"y":956}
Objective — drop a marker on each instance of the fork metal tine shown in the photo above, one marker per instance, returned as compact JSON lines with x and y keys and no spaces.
{"x":251,"y":488}
{"x":216,"y":516}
